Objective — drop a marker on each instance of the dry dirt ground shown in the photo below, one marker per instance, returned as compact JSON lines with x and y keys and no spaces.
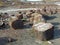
{"x":26,"y":36}
{"x":23,"y":37}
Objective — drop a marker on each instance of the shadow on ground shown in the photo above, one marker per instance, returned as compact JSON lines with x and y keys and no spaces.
{"x":49,"y":17}
{"x":57,"y":34}
{"x":5,"y":27}
{"x":56,"y":30}
{"x":55,"y":23}
{"x":4,"y":40}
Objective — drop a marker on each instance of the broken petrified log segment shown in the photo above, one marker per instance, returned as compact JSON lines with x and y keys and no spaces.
{"x":43,"y":12}
{"x":13,"y":18}
{"x":44,"y":31}
{"x":37,"y":18}
{"x":17,"y":24}
{"x":20,"y":16}
{"x":53,"y":11}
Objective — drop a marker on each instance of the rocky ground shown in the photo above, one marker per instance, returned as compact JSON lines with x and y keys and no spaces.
{"x":23,"y":37}
{"x":26,"y":36}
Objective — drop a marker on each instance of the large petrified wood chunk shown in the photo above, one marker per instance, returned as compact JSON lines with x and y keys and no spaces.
{"x":44,"y":31}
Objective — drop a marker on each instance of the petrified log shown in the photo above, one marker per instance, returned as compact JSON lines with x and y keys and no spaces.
{"x":37,"y":18}
{"x":20,"y":16}
{"x":18,"y":24}
{"x":13,"y":18}
{"x":43,"y":12}
{"x":44,"y":31}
